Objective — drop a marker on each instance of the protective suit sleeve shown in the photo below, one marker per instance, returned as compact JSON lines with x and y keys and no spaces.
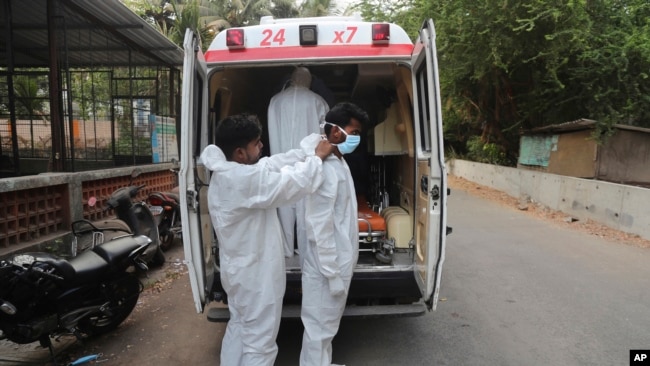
{"x":319,"y":212}
{"x":212,"y":157}
{"x":336,"y":286}
{"x":279,"y":160}
{"x":267,"y":188}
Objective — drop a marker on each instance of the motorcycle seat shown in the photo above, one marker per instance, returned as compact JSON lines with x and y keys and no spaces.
{"x":87,"y":265}
{"x":118,"y":249}
{"x":171,"y":196}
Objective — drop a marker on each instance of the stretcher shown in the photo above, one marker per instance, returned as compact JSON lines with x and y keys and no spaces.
{"x":382,"y":233}
{"x":372,"y":227}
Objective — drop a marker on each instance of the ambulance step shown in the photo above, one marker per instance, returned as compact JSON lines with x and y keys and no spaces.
{"x":221,"y":314}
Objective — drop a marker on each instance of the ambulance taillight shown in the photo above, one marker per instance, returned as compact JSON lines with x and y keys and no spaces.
{"x":235,"y":38}
{"x":380,"y":33}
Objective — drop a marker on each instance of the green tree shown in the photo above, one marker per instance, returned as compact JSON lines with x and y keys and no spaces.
{"x":317,"y":8}
{"x":207,"y":17}
{"x":507,"y":65}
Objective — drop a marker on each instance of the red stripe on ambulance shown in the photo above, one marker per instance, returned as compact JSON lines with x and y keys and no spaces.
{"x":298,"y":52}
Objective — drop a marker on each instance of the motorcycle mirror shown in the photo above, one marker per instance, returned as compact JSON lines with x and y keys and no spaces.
{"x":136,"y":172}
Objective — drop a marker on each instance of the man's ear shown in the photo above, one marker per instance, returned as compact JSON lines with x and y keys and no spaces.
{"x":239,"y":155}
{"x":337,"y":133}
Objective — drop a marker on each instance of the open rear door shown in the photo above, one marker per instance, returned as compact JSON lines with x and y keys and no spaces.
{"x":431,"y":206}
{"x":195,"y":219}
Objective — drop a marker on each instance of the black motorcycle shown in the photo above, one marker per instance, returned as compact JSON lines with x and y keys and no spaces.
{"x":44,"y":296}
{"x":133,"y":218}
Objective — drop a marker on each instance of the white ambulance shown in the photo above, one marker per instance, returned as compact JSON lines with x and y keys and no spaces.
{"x":400,"y":175}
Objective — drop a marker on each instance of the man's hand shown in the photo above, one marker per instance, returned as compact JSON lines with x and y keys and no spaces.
{"x":324,"y":149}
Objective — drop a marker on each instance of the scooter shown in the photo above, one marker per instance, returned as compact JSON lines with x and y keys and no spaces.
{"x":165,"y":208}
{"x":44,"y":296}
{"x":133,"y":218}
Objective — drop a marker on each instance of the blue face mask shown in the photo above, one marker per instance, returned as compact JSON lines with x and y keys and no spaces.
{"x":351,"y":141}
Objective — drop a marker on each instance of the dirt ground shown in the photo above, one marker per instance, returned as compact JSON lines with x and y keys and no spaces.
{"x":544,"y":213}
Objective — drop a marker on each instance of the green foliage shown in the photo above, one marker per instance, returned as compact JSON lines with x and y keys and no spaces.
{"x":504,"y":65}
{"x":316,"y":8}
{"x":208,"y":17}
{"x":393,"y":11}
{"x":482,"y":152}
{"x":31,"y":94}
{"x":507,"y":66}
{"x":90,"y":91}
{"x":140,"y":146}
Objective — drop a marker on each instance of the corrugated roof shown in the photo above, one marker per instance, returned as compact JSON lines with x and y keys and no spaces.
{"x":578,"y":125}
{"x":89,"y":33}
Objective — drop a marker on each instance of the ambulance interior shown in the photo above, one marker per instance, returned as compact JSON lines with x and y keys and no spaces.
{"x":383,"y":166}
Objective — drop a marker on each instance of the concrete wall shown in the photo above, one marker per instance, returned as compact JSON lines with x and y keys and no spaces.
{"x":622,"y":207}
{"x":625,"y":158}
{"x":36,"y":211}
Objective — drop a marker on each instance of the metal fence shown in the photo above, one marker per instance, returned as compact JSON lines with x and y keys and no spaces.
{"x":112,"y":117}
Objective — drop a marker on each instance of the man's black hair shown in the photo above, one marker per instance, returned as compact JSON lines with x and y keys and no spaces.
{"x":342,"y":113}
{"x":237,"y":131}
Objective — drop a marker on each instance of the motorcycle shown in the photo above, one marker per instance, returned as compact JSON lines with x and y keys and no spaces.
{"x":133,"y":218}
{"x":165,"y":208}
{"x":43,"y":296}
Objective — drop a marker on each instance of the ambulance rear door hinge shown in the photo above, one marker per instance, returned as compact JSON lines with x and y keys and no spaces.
{"x":192,"y":200}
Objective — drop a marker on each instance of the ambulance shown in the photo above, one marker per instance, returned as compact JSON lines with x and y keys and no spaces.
{"x":400,"y":176}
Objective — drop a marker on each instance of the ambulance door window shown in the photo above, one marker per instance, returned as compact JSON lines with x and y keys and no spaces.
{"x":197,"y":112}
{"x":424,"y":108}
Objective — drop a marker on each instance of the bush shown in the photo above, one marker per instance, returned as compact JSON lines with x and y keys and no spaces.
{"x":482,"y":152}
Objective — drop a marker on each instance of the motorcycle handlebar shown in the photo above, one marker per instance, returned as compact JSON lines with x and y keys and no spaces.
{"x":47,"y":274}
{"x":136,"y":189}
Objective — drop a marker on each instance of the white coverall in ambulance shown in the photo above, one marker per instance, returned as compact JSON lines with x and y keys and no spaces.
{"x":294,"y":113}
{"x":328,"y":259}
{"x":242,"y":201}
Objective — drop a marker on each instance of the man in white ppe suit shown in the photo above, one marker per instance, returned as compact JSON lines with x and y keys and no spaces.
{"x":329,"y":256}
{"x":294,"y":113}
{"x":243,"y":196}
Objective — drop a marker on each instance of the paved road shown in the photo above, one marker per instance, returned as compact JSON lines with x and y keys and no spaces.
{"x":515,"y":291}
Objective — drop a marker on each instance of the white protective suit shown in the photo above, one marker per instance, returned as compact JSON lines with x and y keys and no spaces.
{"x":242,"y":201}
{"x":328,"y":260}
{"x":294,"y":113}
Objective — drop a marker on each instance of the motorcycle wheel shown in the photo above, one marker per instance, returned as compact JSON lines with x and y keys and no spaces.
{"x":158,"y":258}
{"x":166,"y":236}
{"x":123,"y":294}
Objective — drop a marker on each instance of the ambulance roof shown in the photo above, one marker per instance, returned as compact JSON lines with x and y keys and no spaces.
{"x":329,"y":38}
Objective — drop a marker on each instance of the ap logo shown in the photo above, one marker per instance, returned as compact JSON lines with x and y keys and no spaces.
{"x":639,"y":357}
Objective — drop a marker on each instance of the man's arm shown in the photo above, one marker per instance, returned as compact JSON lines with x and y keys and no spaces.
{"x":309,"y":147}
{"x":269,"y":189}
